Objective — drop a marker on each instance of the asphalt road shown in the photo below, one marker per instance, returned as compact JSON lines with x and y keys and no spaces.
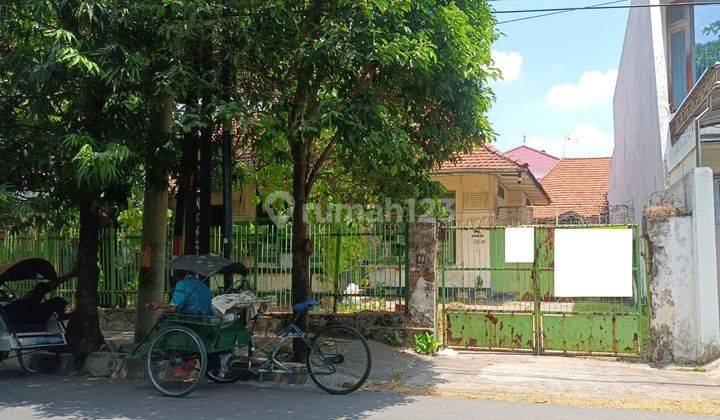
{"x":43,"y":396}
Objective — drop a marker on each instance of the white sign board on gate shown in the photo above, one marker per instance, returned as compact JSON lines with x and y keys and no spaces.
{"x":519,"y":245}
{"x":593,"y":262}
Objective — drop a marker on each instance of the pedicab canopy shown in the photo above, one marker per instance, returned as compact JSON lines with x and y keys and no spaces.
{"x":30,"y":269}
{"x":206,"y":265}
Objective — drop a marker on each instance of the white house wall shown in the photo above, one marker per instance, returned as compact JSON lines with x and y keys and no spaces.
{"x":640,"y":112}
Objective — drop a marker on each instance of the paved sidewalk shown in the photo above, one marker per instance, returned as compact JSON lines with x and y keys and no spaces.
{"x":478,"y":372}
{"x":599,"y":382}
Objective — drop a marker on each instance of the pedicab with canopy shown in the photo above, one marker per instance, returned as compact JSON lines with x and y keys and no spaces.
{"x":35,"y":343}
{"x":182,"y":349}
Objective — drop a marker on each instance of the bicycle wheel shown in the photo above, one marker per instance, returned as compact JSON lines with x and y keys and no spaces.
{"x":339,"y":361}
{"x":176,"y":361}
{"x":38,"y":361}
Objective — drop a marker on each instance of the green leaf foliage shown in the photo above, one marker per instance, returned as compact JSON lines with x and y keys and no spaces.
{"x":426,"y":343}
{"x":371,"y":95}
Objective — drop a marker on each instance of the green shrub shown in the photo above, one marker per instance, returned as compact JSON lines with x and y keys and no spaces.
{"x":395,"y":339}
{"x":426,"y":343}
{"x":368,"y":332}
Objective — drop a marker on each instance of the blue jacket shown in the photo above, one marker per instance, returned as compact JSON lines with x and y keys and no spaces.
{"x":192,"y":296}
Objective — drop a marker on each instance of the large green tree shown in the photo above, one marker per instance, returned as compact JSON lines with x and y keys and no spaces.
{"x":65,"y":129}
{"x":377,"y":92}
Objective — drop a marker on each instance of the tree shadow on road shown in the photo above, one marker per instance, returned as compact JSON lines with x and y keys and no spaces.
{"x":28,"y":395}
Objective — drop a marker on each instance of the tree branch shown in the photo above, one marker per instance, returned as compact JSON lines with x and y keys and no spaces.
{"x":314,"y":172}
{"x":358,"y":88}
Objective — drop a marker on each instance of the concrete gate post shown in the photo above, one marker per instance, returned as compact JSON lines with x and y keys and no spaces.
{"x":421,"y":277}
{"x":685,"y":319}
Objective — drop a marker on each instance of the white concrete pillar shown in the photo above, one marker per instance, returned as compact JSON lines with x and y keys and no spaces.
{"x":703,"y":215}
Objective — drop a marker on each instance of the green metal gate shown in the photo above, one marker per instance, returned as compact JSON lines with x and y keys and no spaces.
{"x":486,"y":303}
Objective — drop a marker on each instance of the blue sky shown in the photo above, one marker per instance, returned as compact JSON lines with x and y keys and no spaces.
{"x":560,"y":74}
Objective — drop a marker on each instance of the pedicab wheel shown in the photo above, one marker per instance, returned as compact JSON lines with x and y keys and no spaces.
{"x":38,"y":360}
{"x":176,"y":361}
{"x":340,"y":361}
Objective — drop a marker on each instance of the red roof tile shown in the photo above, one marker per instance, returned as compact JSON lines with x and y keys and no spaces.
{"x":539,"y":162}
{"x":484,"y":158}
{"x":577,"y":185}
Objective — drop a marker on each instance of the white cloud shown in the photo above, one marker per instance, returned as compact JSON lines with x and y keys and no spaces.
{"x":586,"y":140}
{"x":509,"y":63}
{"x":594,"y":87}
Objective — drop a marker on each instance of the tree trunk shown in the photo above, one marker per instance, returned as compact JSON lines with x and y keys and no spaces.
{"x":227,"y":203}
{"x":178,"y":238}
{"x":301,"y":245}
{"x":84,"y":325}
{"x":184,"y":193}
{"x":179,"y":220}
{"x":205,"y":190}
{"x":190,"y":201}
{"x":154,"y":229}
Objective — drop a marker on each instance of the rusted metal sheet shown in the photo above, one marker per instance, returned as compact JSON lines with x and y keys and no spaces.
{"x":545,"y":261}
{"x":487,"y":330}
{"x":594,"y":333}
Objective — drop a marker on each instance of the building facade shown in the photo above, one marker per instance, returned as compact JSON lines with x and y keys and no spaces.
{"x":667,"y":153}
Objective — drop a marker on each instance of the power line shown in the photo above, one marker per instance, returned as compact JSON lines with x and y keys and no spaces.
{"x":601,"y":6}
{"x":554,"y":13}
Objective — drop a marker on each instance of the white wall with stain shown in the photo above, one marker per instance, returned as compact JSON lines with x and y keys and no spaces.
{"x":683,"y":278}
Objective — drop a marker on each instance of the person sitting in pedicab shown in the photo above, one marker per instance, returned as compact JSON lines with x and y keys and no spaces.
{"x":191,"y":296}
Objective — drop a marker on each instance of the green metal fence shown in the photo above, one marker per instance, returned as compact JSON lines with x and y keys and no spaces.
{"x":353,"y":268}
{"x":487,"y":303}
{"x":118,"y":261}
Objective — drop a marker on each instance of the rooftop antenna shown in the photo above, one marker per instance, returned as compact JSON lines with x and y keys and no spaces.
{"x":568,"y":139}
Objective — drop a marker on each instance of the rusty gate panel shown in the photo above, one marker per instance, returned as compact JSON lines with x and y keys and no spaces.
{"x":593,"y":333}
{"x":490,"y":330}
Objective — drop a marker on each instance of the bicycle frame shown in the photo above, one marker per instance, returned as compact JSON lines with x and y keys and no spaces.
{"x":273,"y":346}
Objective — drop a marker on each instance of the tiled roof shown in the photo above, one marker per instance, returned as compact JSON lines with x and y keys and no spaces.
{"x":539,"y":162}
{"x":484,"y":158}
{"x":488,"y":159}
{"x":576,"y":185}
